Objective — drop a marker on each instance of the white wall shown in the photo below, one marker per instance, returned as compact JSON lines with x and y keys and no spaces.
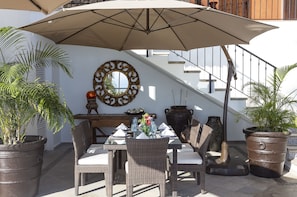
{"x":18,"y":18}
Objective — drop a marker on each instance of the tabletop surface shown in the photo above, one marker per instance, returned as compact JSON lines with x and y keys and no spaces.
{"x":119,"y":143}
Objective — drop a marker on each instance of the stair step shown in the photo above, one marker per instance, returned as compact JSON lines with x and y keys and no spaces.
{"x":207,"y":80}
{"x":221,"y":89}
{"x":238,"y":98}
{"x":192,"y":71}
{"x":174,"y":59}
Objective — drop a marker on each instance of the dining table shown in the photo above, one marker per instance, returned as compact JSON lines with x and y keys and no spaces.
{"x":113,"y":144}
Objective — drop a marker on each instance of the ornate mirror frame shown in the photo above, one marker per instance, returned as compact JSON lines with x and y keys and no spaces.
{"x":104,"y":94}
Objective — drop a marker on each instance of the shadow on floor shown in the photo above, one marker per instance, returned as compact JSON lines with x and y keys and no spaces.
{"x":57,"y":181}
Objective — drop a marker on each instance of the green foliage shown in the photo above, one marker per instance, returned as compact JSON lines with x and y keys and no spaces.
{"x":21,"y":99}
{"x":273,"y":110}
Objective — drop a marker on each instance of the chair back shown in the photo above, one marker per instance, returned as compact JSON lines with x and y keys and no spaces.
{"x":86,"y":128}
{"x":194,"y":133}
{"x":146,"y":159}
{"x":204,"y":140}
{"x":79,"y":140}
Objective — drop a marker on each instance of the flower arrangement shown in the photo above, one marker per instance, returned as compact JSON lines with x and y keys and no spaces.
{"x":145,"y":123}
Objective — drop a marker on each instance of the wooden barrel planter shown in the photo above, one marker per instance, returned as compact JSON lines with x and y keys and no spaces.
{"x":20,"y":167}
{"x":266,"y":152}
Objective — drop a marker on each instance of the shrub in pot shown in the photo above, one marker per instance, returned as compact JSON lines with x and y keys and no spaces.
{"x":273,"y":114}
{"x":24,"y":101}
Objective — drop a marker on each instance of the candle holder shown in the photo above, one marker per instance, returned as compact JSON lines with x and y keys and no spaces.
{"x":91,"y":105}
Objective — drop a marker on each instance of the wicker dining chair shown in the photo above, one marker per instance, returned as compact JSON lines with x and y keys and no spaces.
{"x":190,"y":137}
{"x":87,"y":159}
{"x":195,"y":162}
{"x":193,"y":136}
{"x":146,"y":163}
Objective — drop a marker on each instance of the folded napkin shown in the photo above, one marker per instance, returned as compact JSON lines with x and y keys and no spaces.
{"x":142,"y":136}
{"x":163,"y":126}
{"x":168,"y":133}
{"x":119,"y":133}
{"x":122,"y":126}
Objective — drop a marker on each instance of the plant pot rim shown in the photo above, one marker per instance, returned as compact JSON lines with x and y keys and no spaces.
{"x":253,"y":131}
{"x":35,"y":140}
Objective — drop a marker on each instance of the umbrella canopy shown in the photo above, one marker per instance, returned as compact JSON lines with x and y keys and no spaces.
{"x":46,"y":6}
{"x":147,"y":24}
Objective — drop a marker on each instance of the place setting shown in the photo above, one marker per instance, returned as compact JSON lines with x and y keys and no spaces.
{"x":163,"y":130}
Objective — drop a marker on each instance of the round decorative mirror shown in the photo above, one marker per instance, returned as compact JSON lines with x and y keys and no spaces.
{"x":116,"y":83}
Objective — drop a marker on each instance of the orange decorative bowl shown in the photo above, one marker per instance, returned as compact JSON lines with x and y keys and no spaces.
{"x":91,"y":95}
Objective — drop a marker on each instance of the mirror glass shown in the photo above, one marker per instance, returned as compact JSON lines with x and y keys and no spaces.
{"x":116,"y":83}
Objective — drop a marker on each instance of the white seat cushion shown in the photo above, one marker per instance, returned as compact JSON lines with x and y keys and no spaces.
{"x":94,"y":157}
{"x":186,"y":157}
{"x":185,"y":147}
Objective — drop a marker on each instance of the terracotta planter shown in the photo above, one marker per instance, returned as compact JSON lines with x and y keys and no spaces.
{"x":20,"y":167}
{"x":266,"y":152}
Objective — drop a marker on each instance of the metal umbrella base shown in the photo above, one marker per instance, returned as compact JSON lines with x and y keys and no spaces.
{"x":234,"y":166}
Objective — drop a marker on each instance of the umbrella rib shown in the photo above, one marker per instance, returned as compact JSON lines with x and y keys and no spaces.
{"x":120,"y":23}
{"x":52,"y":19}
{"x":197,"y":19}
{"x":132,"y":27}
{"x":171,"y":27}
{"x":124,"y":25}
{"x":81,"y":30}
{"x":38,"y":6}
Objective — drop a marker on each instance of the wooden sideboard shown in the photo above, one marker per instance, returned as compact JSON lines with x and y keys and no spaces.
{"x":99,"y":121}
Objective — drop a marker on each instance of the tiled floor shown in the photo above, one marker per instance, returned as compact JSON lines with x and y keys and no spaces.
{"x":57,"y":181}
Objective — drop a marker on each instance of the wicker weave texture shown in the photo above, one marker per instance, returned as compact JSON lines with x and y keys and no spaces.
{"x":146,"y":162}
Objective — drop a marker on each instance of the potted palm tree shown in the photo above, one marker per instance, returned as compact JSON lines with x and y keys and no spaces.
{"x":273,"y":114}
{"x":24,"y":101}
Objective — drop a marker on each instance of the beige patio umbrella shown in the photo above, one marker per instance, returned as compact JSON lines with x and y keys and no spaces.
{"x":150,"y":24}
{"x":45,"y":6}
{"x":147,"y":24}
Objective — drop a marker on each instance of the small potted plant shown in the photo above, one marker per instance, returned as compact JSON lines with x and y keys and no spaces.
{"x":273,"y":115}
{"x":24,"y":100}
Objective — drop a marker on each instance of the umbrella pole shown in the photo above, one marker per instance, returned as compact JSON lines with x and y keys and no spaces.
{"x":231,"y":72}
{"x":226,"y":165}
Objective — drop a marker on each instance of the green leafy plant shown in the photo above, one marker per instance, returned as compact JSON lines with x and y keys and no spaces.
{"x":273,"y":111}
{"x":22,"y":99}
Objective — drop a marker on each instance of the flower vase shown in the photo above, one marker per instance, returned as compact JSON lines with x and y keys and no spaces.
{"x":146,"y":130}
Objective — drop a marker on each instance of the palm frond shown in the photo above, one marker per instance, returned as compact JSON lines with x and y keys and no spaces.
{"x":23,"y":100}
{"x":273,"y":111}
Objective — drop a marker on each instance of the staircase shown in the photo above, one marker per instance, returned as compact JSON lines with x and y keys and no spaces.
{"x":202,"y":70}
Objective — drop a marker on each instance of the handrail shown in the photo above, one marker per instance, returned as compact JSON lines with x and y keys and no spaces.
{"x":256,"y":56}
{"x":213,"y":62}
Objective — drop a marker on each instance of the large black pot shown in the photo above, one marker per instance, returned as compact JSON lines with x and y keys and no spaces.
{"x":179,"y":117}
{"x":216,"y":137}
{"x":266,"y":152}
{"x":20,"y":167}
